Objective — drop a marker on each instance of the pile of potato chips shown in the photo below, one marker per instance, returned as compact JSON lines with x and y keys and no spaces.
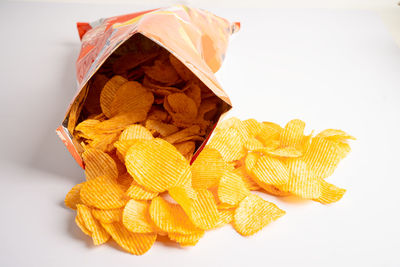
{"x":140,"y":185}
{"x":143,"y":83}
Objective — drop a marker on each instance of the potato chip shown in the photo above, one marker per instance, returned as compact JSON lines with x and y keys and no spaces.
{"x":102,"y":193}
{"x":134,"y":132}
{"x":86,"y":129}
{"x":253,"y":144}
{"x":181,"y":135}
{"x":131,"y":97}
{"x":269,"y":132}
{"x":123,"y":147}
{"x":253,"y":214}
{"x":335,"y":135}
{"x":194,"y":92}
{"x":302,"y":182}
{"x":186,"y":148}
{"x":157,"y":114}
{"x":158,"y":89}
{"x":119,"y":122}
{"x":186,"y":240}
{"x":98,"y":234}
{"x":184,"y":196}
{"x":134,"y":243}
{"x":225,"y":216}
{"x":161,"y":128}
{"x":81,"y":224}
{"x":108,"y":216}
{"x":125,"y":181}
{"x":204,"y":213}
{"x":180,"y":68}
{"x":207,"y":169}
{"x":162,"y":71}
{"x":132,"y":60}
{"x":144,"y":161}
{"x":286,"y":152}
{"x":250,"y":161}
{"x":329,"y":193}
{"x":98,"y":163}
{"x":249,"y":128}
{"x":181,"y":107}
{"x":138,"y":192}
{"x":104,"y":142}
{"x":119,"y":163}
{"x":269,"y":171}
{"x":247,"y":180}
{"x":108,"y":93}
{"x":229,"y":143}
{"x":292,"y":134}
{"x":136,"y":217}
{"x":232,"y":122}
{"x":73,"y":197}
{"x":231,"y":189}
{"x":171,"y":218}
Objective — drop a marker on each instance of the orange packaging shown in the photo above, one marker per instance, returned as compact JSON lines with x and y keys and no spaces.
{"x":197,"y":38}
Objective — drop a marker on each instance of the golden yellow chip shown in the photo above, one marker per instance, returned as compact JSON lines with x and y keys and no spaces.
{"x":329,"y":193}
{"x":204,"y":213}
{"x":108,"y":93}
{"x":178,"y":137}
{"x":335,"y":135}
{"x":123,"y":147}
{"x":136,"y":217}
{"x":181,"y":107}
{"x":157,"y":165}
{"x":269,"y":171}
{"x":229,"y":143}
{"x":161,"y":128}
{"x":103,"y":142}
{"x":98,"y":234}
{"x":131,"y":97}
{"x":186,"y":240}
{"x":102,"y":193}
{"x":232,"y":122}
{"x":138,"y":192}
{"x":293,"y":133}
{"x":286,"y":152}
{"x":250,"y":161}
{"x":98,"y":163}
{"x":225,"y":216}
{"x":254,"y":213}
{"x":231,"y":189}
{"x":253,"y":144}
{"x":247,"y":180}
{"x":207,"y":168}
{"x":73,"y":197}
{"x":184,"y":196}
{"x":134,"y":132}
{"x":86,"y":129}
{"x":171,"y":218}
{"x":81,"y":224}
{"x":249,"y":128}
{"x":134,"y":243}
{"x":269,"y":132}
{"x":302,"y":182}
{"x":273,"y":190}
{"x":108,"y":216}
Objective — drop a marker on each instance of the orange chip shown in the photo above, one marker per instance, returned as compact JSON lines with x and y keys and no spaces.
{"x":186,"y":148}
{"x":231,"y":189}
{"x":171,"y":218}
{"x":181,"y":107}
{"x":186,"y":240}
{"x":86,"y":129}
{"x":136,"y":217}
{"x":134,"y":243}
{"x":103,"y":142}
{"x":207,"y":168}
{"x":123,"y":147}
{"x":254,"y":213}
{"x":302,"y":182}
{"x":329,"y":193}
{"x":81,"y":224}
{"x":134,"y":132}
{"x":108,"y":216}
{"x":181,"y":135}
{"x":157,"y":114}
{"x":98,"y":163}
{"x":119,"y":122}
{"x":125,"y":181}
{"x":103,"y":193}
{"x":144,"y":161}
{"x":159,"y":127}
{"x":293,"y":133}
{"x":162,"y":71}
{"x":137,"y":192}
{"x":229,"y":143}
{"x":194,"y":92}
{"x":180,"y":68}
{"x":131,"y":97}
{"x":73,"y":197}
{"x":108,"y":93}
{"x":270,"y":171}
{"x":98,"y":234}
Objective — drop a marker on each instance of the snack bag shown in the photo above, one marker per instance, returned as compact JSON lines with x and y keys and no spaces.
{"x":153,"y":68}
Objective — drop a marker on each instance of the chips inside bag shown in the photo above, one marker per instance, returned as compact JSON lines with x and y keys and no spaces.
{"x":153,"y":67}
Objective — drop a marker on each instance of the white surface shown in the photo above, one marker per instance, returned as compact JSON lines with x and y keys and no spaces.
{"x":333,"y":69}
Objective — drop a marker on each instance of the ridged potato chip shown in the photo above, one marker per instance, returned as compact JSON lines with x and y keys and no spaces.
{"x":161,"y":128}
{"x":253,"y":214}
{"x":269,"y":132}
{"x":120,"y":121}
{"x":269,"y":171}
{"x":180,"y":68}
{"x":186,"y":240}
{"x":73,"y":197}
{"x":86,"y":129}
{"x":231,"y":189}
{"x":98,"y":163}
{"x":229,"y":143}
{"x":171,"y":218}
{"x":102,"y":193}
{"x":194,"y":92}
{"x":136,"y":217}
{"x":124,"y":181}
{"x":108,"y":216}
{"x":286,"y":152}
{"x":108,"y":93}
{"x":186,"y":148}
{"x":81,"y":224}
{"x":293,"y":133}
{"x":134,"y":243}
{"x":225,"y":216}
{"x":162,"y":71}
{"x":104,"y":142}
{"x":98,"y":234}
{"x":123,"y":147}
{"x":246,"y":178}
{"x":207,"y":168}
{"x":181,"y":107}
{"x":135,"y":132}
{"x":329,"y":193}
{"x":204,"y":213}
{"x":184,"y":196}
{"x":138,"y":192}
{"x":251,"y":161}
{"x":144,"y":161}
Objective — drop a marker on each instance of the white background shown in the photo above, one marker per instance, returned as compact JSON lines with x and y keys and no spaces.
{"x":332,"y":68}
